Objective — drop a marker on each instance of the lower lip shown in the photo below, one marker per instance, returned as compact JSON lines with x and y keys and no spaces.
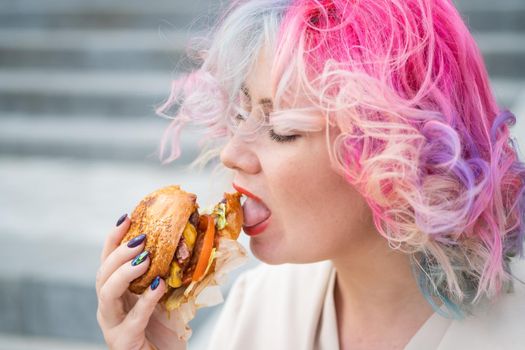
{"x":257,"y":229}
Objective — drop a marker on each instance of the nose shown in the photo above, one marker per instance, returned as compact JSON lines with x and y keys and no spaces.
{"x":239,"y":155}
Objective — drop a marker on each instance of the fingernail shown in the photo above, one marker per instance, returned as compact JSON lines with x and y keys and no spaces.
{"x":136,"y":241}
{"x":140,"y":258}
{"x":121,"y":219}
{"x":155,"y":283}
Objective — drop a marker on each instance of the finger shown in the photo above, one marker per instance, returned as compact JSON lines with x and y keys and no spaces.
{"x":119,"y":256}
{"x":110,"y":296}
{"x":115,"y":236}
{"x":138,"y":318}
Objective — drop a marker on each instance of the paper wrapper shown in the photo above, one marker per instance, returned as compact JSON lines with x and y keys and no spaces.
{"x":184,"y":303}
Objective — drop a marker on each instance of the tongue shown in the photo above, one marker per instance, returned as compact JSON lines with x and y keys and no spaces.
{"x":254,"y":212}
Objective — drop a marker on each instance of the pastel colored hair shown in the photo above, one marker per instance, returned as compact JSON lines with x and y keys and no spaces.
{"x":402,"y":92}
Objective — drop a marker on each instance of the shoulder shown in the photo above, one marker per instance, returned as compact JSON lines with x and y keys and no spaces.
{"x":498,"y":325}
{"x":289,"y":293}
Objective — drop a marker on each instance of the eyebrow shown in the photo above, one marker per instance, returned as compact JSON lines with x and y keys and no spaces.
{"x":267,"y":102}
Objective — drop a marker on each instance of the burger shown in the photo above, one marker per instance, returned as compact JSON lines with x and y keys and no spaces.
{"x":189,"y":249}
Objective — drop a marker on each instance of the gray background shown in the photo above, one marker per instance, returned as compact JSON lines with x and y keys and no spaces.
{"x":78,"y":83}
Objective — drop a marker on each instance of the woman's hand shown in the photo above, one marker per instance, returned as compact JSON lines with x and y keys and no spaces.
{"x":128,"y":321}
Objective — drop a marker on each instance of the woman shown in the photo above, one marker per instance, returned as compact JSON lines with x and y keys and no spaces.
{"x":385,"y":175}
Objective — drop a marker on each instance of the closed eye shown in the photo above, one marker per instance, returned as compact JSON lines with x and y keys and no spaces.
{"x":281,"y":138}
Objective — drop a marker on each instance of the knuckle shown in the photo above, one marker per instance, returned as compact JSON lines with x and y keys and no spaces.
{"x":135,"y":319}
{"x":134,"y":315}
{"x":104,"y":296}
{"x":118,"y":252}
{"x":115,"y":233}
{"x":123,"y":252}
{"x":125,"y":273}
{"x":133,"y":272}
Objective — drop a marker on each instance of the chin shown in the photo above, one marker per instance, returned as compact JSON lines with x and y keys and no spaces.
{"x":275,"y":253}
{"x":268,"y":252}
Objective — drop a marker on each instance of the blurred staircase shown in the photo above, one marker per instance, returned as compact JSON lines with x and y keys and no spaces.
{"x":79,"y":81}
{"x":499,"y":30}
{"x":67,"y":63}
{"x":78,"y":84}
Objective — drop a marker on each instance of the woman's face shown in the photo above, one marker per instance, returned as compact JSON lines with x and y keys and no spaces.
{"x":314,"y":213}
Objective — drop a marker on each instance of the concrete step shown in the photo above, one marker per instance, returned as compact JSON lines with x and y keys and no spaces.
{"x":110,"y":93}
{"x":12,"y":342}
{"x":100,"y":19}
{"x":485,"y":15}
{"x":54,"y":217}
{"x":488,"y":15}
{"x":503,"y":52}
{"x":88,"y":137}
{"x":186,"y":6}
{"x":126,"y":6}
{"x":163,"y":49}
{"x":488,"y":4}
{"x":105,"y":14}
{"x":121,"y":18}
{"x":59,"y":302}
{"x":507,"y":91}
{"x":495,"y":19}
{"x":71,"y":92}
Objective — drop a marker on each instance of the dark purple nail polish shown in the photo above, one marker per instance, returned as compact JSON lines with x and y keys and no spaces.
{"x":139,"y":259}
{"x":136,"y":241}
{"x":155,"y":283}
{"x":121,"y":219}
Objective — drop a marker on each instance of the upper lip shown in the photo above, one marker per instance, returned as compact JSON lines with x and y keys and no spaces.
{"x":246,"y":192}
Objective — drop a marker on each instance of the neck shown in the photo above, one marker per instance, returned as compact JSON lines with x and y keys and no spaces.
{"x":375,"y":285}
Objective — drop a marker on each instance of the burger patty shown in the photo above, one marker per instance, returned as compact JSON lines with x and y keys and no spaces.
{"x":194,"y":219}
{"x":186,"y":256}
{"x":183,"y":253}
{"x":192,"y":262}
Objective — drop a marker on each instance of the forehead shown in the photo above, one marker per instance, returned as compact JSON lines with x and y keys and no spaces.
{"x":258,"y":79}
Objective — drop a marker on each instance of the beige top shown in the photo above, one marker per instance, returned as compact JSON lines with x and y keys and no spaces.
{"x":292,"y":307}
{"x":428,"y":337}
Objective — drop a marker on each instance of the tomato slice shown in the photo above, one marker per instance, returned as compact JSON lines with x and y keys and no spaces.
{"x":207,"y":246}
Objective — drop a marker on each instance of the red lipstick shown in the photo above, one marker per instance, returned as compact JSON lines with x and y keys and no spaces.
{"x":246,"y":192}
{"x":255,"y":230}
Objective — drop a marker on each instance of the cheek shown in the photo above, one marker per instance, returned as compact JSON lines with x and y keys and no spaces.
{"x":332,"y":218}
{"x":320,"y":215}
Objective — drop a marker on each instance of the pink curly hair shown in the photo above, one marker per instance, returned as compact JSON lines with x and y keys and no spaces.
{"x":418,"y":130}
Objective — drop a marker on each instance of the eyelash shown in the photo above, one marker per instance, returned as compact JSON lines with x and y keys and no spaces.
{"x":281,"y":138}
{"x":273,"y":135}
